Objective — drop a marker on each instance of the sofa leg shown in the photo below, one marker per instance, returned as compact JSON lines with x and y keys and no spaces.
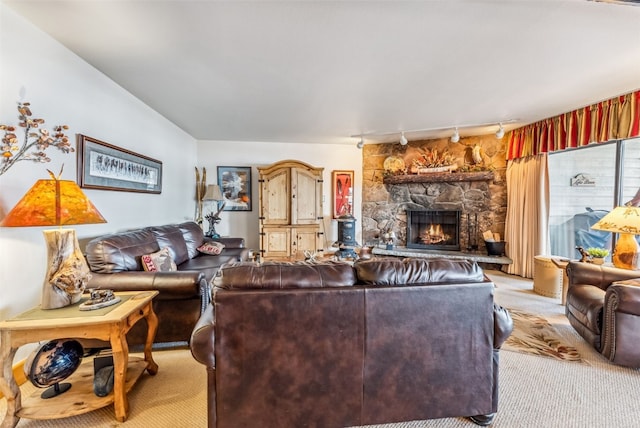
{"x":483,"y":420}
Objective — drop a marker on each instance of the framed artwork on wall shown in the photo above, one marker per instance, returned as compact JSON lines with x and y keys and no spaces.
{"x":235,"y":185}
{"x":342,"y":193}
{"x":108,"y":167}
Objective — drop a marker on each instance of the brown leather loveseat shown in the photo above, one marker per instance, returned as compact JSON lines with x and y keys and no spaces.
{"x":290,"y":345}
{"x":115,"y":263}
{"x":605,"y":311}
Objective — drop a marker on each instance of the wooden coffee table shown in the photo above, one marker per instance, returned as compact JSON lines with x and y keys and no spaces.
{"x":109,"y":324}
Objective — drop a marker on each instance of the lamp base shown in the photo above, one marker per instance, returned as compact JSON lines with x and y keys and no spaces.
{"x":625,"y":255}
{"x":67,"y":271}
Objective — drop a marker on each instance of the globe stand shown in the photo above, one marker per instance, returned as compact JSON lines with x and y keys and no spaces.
{"x":55,"y":390}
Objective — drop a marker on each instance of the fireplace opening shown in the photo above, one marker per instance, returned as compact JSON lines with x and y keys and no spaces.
{"x":433,"y":230}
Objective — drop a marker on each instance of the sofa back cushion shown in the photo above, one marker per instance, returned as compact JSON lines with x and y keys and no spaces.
{"x":280,"y":275}
{"x":193,"y":237}
{"x":171,"y":236}
{"x":121,"y":251}
{"x":395,"y":271}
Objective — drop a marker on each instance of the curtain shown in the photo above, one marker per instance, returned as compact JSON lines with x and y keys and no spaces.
{"x":616,"y":118}
{"x":526,"y":229}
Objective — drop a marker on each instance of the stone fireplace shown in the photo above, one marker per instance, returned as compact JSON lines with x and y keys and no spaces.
{"x":478,"y":197}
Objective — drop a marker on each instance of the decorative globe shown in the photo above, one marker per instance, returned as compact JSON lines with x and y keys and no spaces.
{"x":53,"y":362}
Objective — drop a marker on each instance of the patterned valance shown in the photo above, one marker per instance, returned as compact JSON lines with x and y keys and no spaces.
{"x":616,"y":118}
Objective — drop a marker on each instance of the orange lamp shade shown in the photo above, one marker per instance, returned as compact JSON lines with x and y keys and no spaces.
{"x":53,"y":203}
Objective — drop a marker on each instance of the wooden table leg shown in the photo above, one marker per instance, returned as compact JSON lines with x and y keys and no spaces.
{"x":120,"y":350}
{"x":8,"y":385}
{"x":152,"y":327}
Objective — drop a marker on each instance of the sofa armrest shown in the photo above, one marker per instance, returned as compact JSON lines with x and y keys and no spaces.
{"x":502,"y":325}
{"x":229,"y":242}
{"x":183,"y":284}
{"x":203,"y":338}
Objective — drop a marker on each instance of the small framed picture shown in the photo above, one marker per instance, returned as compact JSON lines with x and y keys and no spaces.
{"x":342,"y":193}
{"x":235,"y":185}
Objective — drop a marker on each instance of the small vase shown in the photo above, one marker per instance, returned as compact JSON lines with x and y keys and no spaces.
{"x":598,"y":260}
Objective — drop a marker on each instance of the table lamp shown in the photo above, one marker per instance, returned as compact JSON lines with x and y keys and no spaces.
{"x":624,"y":220}
{"x":59,"y":203}
{"x":213,"y":194}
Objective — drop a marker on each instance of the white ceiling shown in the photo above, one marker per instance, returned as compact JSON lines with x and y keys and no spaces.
{"x":325,"y":71}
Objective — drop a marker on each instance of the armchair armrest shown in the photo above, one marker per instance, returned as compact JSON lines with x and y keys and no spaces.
{"x":502,"y":325}
{"x":203,"y":338}
{"x":621,"y":324}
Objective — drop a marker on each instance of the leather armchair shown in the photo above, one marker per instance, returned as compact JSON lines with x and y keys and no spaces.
{"x":603,"y":305}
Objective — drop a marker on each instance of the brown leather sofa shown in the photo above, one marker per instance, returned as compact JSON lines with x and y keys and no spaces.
{"x":604,"y":311}
{"x":334,"y":345}
{"x":115,"y":263}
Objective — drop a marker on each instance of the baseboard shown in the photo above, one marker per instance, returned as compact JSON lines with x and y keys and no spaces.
{"x":18,"y":374}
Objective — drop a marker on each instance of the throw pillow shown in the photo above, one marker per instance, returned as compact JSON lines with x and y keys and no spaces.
{"x":160,"y":261}
{"x":211,"y":248}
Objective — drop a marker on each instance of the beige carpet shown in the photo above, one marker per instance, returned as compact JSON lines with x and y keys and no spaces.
{"x":535,"y":391}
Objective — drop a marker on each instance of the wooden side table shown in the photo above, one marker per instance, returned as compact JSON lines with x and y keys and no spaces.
{"x":109,"y":324}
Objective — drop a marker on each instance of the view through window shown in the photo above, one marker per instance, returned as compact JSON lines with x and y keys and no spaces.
{"x":584,"y":185}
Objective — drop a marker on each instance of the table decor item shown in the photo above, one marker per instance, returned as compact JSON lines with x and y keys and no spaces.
{"x":99,"y":299}
{"x":51,"y":363}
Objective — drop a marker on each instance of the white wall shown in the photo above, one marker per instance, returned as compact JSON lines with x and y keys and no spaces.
{"x":63,"y":89}
{"x":212,"y":154}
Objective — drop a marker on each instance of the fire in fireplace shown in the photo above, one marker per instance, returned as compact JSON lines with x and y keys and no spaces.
{"x":433,"y":230}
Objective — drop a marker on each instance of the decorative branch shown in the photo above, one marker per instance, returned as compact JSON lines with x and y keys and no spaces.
{"x":41,"y":139}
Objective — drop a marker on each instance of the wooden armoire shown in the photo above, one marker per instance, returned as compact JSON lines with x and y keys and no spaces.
{"x":290,"y":215}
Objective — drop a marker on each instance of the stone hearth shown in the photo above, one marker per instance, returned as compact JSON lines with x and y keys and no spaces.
{"x":386,"y":199}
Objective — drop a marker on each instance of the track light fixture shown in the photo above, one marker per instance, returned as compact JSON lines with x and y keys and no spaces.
{"x":500,"y":132}
{"x":403,"y":140}
{"x":360,"y":143}
{"x":456,"y":136}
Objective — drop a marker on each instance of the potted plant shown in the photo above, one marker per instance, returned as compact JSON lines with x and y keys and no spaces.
{"x":597,"y":254}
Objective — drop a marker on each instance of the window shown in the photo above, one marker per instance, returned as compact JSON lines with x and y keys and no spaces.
{"x":584,"y":185}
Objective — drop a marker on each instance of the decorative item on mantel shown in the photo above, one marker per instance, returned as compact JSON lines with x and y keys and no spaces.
{"x":13,"y":152}
{"x":59,"y":203}
{"x":431,"y":161}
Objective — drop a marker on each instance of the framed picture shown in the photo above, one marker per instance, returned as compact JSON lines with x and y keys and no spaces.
{"x":342,"y":193}
{"x":235,"y":185}
{"x":107,"y":167}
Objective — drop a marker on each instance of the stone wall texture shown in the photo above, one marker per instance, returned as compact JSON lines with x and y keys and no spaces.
{"x":384,"y":205}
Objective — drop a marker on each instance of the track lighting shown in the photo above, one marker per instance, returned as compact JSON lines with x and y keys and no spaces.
{"x":360,"y":143}
{"x":403,"y":140}
{"x":500,"y":132}
{"x":456,"y":136}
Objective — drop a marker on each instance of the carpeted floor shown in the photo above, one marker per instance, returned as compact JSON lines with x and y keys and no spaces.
{"x":535,"y":391}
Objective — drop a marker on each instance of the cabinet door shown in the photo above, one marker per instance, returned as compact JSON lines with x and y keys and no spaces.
{"x":275,"y":194}
{"x":306,"y":197}
{"x":305,"y":239}
{"x":276,"y":242}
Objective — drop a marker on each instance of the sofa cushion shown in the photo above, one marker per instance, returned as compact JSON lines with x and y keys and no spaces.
{"x":276,"y":275}
{"x":171,"y":236}
{"x":395,"y":271}
{"x":193,"y":237}
{"x":120,"y":252}
{"x":211,"y":248}
{"x":159,"y":261}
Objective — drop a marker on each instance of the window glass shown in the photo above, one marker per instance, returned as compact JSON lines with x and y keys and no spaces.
{"x":582,"y":183}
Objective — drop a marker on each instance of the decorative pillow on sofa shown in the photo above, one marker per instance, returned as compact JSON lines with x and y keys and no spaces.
{"x":160,"y":261}
{"x":211,"y":248}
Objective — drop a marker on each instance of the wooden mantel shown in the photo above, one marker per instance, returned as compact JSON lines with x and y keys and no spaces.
{"x":439,"y":177}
